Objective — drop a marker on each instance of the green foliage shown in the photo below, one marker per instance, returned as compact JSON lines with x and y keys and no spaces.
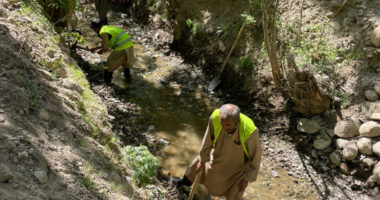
{"x":255,"y":4}
{"x":156,"y":6}
{"x":249,"y":19}
{"x":222,"y":30}
{"x":143,"y":164}
{"x":245,"y":63}
{"x":87,"y":182}
{"x":194,"y":26}
{"x":73,"y":36}
{"x":34,"y":98}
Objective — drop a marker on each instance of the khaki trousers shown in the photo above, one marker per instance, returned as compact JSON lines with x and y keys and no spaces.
{"x":124,"y":58}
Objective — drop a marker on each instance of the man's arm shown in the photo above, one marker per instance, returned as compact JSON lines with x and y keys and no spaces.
{"x":207,"y":143}
{"x":255,"y":150}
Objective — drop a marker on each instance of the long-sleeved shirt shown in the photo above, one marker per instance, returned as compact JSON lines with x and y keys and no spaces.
{"x":227,"y":160}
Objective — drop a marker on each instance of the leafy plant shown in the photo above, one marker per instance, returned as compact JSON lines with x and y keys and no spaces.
{"x":143,"y":164}
{"x":246,"y":63}
{"x":194,"y":26}
{"x":222,"y":30}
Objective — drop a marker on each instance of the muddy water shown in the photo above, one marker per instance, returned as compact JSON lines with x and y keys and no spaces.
{"x":179,"y":114}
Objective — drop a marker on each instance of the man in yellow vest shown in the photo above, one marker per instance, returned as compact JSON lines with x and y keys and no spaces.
{"x":122,"y":49}
{"x":230,"y":154}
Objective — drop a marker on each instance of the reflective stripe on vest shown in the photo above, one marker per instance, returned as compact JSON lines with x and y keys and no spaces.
{"x":246,"y":128}
{"x":120,"y":40}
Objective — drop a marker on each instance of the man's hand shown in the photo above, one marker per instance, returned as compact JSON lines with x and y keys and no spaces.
{"x":242,"y":185}
{"x":200,"y":166}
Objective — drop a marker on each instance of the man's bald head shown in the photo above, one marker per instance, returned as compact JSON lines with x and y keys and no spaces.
{"x":230,"y":111}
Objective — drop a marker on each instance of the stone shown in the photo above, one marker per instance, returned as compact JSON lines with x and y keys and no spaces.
{"x":321,"y":143}
{"x":346,"y":129}
{"x":375,"y":116}
{"x":71,"y":85}
{"x":371,"y":95}
{"x":341,"y":143}
{"x":308,"y":126}
{"x":2,"y":119}
{"x":336,"y":3}
{"x":41,"y":176}
{"x":370,"y":129}
{"x":51,"y":53}
{"x":376,"y":148}
{"x":377,"y":88}
{"x":350,"y":152}
{"x":368,"y":162}
{"x":344,"y":169}
{"x":375,"y":36}
{"x":335,"y":158}
{"x":151,"y":128}
{"x":44,"y":115}
{"x":376,"y":173}
{"x":365,"y":146}
{"x":5,"y":173}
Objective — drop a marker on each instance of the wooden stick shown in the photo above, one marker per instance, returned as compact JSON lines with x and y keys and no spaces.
{"x":195,"y":185}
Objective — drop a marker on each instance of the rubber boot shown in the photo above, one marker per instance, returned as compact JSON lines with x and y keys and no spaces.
{"x":107,"y":77}
{"x":127,"y":75}
{"x":179,"y":182}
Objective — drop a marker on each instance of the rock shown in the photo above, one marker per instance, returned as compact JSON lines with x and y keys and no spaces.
{"x":344,"y":169}
{"x":350,"y":152}
{"x":151,"y":128}
{"x":341,"y":143}
{"x":335,"y":158}
{"x":336,"y":4}
{"x":346,"y":129}
{"x":314,"y":153}
{"x":41,"y":176}
{"x":370,"y":129}
{"x":376,"y":148}
{"x":375,"y":116}
{"x":71,"y":85}
{"x":375,"y":36}
{"x":163,"y":142}
{"x":376,"y":173}
{"x":308,"y":126}
{"x":368,"y":162}
{"x":2,"y":119}
{"x":324,"y":134}
{"x":371,"y":95}
{"x":44,"y":115}
{"x":275,"y":174}
{"x":321,"y":143}
{"x":51,"y":53}
{"x":5,"y":173}
{"x":365,"y":146}
{"x":377,"y":88}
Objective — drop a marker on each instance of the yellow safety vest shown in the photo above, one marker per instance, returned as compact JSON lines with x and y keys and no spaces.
{"x":246,"y":128}
{"x":120,"y":39}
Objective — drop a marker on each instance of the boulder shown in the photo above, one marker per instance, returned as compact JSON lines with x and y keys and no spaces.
{"x":341,"y":143}
{"x":321,"y":143}
{"x":365,"y":146}
{"x":376,"y":148}
{"x":375,"y":116}
{"x":335,"y":158}
{"x":371,"y":95}
{"x":346,"y":129}
{"x":376,"y":173}
{"x":350,"y":152}
{"x":375,"y":36}
{"x":41,"y":176}
{"x":308,"y":126}
{"x":370,"y":129}
{"x":5,"y":173}
{"x":377,"y":88}
{"x":368,"y":162}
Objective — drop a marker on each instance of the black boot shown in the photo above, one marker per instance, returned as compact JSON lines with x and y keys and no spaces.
{"x":178,"y":182}
{"x":107,"y":77}
{"x":127,"y":75}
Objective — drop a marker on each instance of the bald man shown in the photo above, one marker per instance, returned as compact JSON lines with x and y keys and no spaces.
{"x":230,"y":154}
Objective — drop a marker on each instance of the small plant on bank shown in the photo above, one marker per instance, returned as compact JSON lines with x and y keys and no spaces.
{"x":194,"y":26}
{"x":143,"y":164}
{"x":246,"y":64}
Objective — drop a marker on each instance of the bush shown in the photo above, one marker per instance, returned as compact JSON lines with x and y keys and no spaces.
{"x":144,"y":165}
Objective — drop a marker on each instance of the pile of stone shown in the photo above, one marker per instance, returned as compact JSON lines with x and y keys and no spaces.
{"x":354,"y":143}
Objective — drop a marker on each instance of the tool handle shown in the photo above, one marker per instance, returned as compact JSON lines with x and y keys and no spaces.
{"x":195,"y":185}
{"x":233,"y":47}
